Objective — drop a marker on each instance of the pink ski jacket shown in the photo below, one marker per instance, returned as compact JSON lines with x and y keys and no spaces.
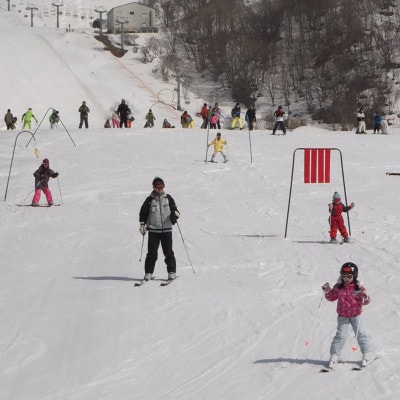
{"x":350,"y":301}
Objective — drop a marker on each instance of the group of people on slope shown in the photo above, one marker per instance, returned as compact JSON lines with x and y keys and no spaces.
{"x":380,"y":124}
{"x":211,"y":116}
{"x":121,"y":117}
{"x":159,"y":213}
{"x":26,"y":118}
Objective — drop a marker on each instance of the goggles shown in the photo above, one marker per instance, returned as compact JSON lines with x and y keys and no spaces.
{"x":347,"y":276}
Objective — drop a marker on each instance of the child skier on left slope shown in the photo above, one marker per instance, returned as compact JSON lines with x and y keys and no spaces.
{"x":42,"y":176}
{"x":351,"y":295}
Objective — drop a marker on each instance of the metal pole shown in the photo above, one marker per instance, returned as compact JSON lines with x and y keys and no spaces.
{"x":290,"y":193}
{"x":59,"y":188}
{"x":66,"y":130}
{"x":344,"y":188}
{"x":178,"y":83}
{"x":12,"y":159}
{"x":208,"y":131}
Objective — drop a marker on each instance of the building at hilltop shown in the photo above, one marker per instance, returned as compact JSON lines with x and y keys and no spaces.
{"x":134,"y":17}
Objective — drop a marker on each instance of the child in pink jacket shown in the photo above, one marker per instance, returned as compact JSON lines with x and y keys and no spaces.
{"x":351,"y":295}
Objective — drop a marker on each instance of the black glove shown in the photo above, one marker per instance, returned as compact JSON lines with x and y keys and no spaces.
{"x":174,"y":216}
{"x":55,"y":174}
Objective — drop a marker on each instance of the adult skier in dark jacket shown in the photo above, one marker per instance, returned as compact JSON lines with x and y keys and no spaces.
{"x":157,"y":216}
{"x":251,"y":117}
{"x":122,"y":112}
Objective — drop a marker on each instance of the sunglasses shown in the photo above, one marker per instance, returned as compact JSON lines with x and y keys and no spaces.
{"x":347,"y":276}
{"x":159,"y":186}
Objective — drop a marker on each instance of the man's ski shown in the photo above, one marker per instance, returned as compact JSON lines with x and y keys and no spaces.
{"x":142,"y":282}
{"x":166,"y":283}
{"x":393,"y":173}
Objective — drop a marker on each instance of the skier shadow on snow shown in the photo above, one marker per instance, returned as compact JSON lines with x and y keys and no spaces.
{"x":106,"y":278}
{"x":312,"y":241}
{"x":113,"y":278}
{"x":290,"y":361}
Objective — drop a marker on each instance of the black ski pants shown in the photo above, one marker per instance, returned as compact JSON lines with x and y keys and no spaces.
{"x":279,"y":125}
{"x":152,"y":251}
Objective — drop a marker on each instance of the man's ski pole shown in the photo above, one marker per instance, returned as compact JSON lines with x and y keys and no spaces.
{"x":184,"y":245}
{"x":141,"y":250}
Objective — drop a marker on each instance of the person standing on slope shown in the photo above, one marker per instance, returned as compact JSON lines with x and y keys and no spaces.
{"x":54,"y":119}
{"x":204,"y":116}
{"x":27,"y":117}
{"x":42,"y":176}
{"x":377,"y":122}
{"x":9,"y":120}
{"x":84,"y":115}
{"x":122,"y":112}
{"x":157,"y":215}
{"x":361,"y":121}
{"x":279,"y":115}
{"x":350,"y":295}
{"x":150,"y":118}
{"x":235,"y":114}
{"x":218,"y":144}
{"x":251,"y":117}
{"x":336,"y":219}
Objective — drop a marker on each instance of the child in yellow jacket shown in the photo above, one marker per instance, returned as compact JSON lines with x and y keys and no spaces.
{"x":218,"y":144}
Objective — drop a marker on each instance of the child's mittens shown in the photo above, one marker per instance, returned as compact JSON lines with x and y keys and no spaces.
{"x":365,"y":294}
{"x":326,"y":287}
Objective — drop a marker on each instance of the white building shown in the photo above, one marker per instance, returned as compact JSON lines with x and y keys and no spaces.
{"x":134,"y":16}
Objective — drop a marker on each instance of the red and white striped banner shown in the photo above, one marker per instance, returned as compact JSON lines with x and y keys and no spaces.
{"x":317,"y":165}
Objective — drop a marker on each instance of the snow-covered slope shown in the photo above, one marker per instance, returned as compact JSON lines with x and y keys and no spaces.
{"x":249,"y":324}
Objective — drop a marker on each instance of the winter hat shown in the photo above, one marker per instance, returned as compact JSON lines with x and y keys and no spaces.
{"x":219,"y":134}
{"x":349,"y":268}
{"x":158,"y":181}
{"x":46,"y":161}
{"x":336,"y":195}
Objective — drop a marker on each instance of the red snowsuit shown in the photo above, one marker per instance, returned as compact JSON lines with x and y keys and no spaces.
{"x":336,"y":220}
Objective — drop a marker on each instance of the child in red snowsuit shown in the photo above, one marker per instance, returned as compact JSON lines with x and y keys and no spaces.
{"x":336,"y":219}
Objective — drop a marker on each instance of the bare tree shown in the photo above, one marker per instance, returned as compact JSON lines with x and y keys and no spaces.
{"x":151,"y":49}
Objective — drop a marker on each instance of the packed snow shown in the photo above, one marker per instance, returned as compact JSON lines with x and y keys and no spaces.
{"x":245,"y":319}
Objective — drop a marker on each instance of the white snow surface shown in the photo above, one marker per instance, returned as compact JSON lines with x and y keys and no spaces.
{"x":249,"y":323}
